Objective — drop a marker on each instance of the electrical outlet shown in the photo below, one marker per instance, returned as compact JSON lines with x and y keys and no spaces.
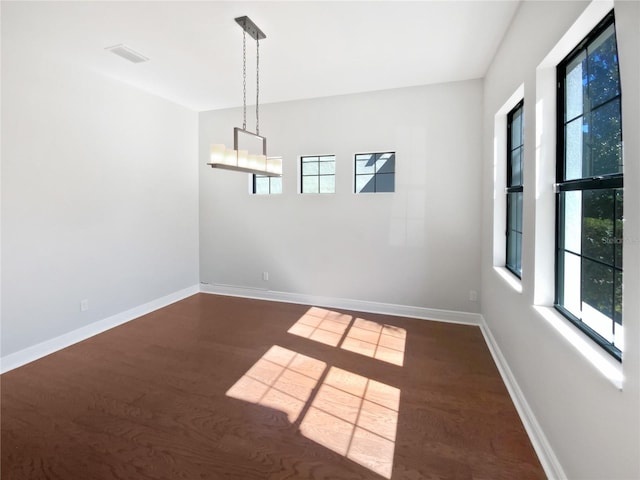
{"x":265,"y":276}
{"x":84,"y":305}
{"x":473,"y":296}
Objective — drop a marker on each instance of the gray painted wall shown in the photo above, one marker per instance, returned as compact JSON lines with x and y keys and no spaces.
{"x":418,"y":246}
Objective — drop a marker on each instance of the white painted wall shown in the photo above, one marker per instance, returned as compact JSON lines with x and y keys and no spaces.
{"x":99,"y":196}
{"x":418,"y":246}
{"x":592,"y":426}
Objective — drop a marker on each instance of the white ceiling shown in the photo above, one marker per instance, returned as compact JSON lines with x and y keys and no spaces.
{"x":312,"y":49}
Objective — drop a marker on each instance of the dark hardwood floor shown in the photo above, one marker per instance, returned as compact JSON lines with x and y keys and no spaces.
{"x":217,"y":387}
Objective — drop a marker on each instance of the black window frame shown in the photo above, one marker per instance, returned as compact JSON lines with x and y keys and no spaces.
{"x":270,"y":177}
{"x":513,"y":191}
{"x":318,"y":175}
{"x":375,"y":174}
{"x":610,"y":181}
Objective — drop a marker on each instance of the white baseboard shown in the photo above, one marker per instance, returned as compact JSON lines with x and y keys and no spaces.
{"x":448,"y":316}
{"x":546,"y":455}
{"x":29,"y":354}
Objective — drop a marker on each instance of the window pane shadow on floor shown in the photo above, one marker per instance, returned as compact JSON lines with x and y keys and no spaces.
{"x":350,"y":414}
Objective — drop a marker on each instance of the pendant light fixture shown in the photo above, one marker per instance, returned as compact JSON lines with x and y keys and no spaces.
{"x":237,"y":159}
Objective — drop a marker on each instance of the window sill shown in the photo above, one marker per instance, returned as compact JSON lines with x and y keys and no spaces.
{"x":511,"y":280}
{"x":598,"y":358}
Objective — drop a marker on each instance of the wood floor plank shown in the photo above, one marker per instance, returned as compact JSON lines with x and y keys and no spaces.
{"x":216,"y":387}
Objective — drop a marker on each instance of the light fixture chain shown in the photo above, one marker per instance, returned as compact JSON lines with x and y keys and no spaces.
{"x":258,"y":87}
{"x":244,"y":79}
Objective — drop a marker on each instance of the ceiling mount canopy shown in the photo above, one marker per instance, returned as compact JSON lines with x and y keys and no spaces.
{"x":239,"y":159}
{"x":251,"y":28}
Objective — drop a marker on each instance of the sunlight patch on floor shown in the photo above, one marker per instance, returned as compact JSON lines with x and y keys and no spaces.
{"x":364,"y":337}
{"x":281,"y":379}
{"x":322,"y":326}
{"x":352,"y":415}
{"x":375,"y":340}
{"x":356,"y":417}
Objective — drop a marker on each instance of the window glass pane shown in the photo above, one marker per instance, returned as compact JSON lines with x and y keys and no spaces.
{"x":617,"y":313}
{"x":574,"y":148}
{"x":511,"y":250}
{"x":572,"y":202}
{"x":327,"y":168}
{"x":516,"y":167}
{"x":514,"y":229}
{"x":597,"y":209}
{"x":518,"y":252}
{"x":375,"y":172}
{"x":572,"y":276}
{"x":602,"y":62}
{"x":327,"y":184}
{"x":518,"y":224}
{"x":364,"y":183}
{"x":575,"y":87}
{"x":597,"y":322}
{"x":618,"y":336}
{"x":385,"y":182}
{"x":262,"y":185}
{"x":619,"y":233}
{"x":276,"y":184}
{"x":606,"y":139}
{"x":318,"y":174}
{"x":511,"y":215}
{"x":386,"y":164}
{"x":516,"y":129}
{"x":597,"y":292}
{"x":365,"y":166}
{"x":310,"y":184}
{"x":512,"y":208}
{"x":309,"y":168}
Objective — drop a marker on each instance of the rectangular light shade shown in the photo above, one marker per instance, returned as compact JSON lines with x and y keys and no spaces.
{"x":258,"y":162}
{"x":274,"y":165}
{"x":230,"y":157}
{"x":243,"y":158}
{"x":217,"y":153}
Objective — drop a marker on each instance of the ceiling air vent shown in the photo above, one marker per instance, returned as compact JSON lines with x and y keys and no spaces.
{"x":127,"y":53}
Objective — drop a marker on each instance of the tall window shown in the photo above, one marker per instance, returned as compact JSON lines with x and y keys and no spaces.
{"x":265,"y":185}
{"x":590,"y":189}
{"x":318,"y":174}
{"x":375,"y":172}
{"x":515,"y":144}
